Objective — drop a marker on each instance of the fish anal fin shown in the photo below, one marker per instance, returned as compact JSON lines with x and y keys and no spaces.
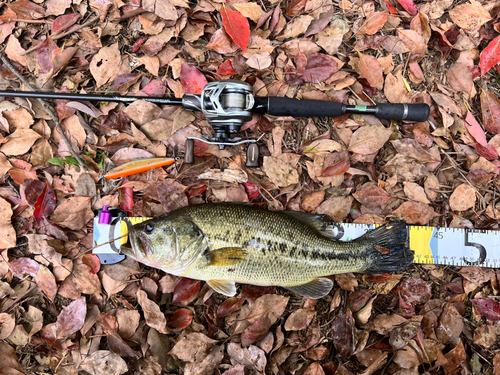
{"x":323,"y":224}
{"x":225,"y":287}
{"x":316,"y":288}
{"x":227,"y":256}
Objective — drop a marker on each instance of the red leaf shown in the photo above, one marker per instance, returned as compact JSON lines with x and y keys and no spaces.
{"x":475,"y":130}
{"x":226,"y":68}
{"x":63,"y":23}
{"x":489,"y":152}
{"x":72,"y":317}
{"x":45,"y":204}
{"x":252,"y":292}
{"x":391,"y":8}
{"x":338,"y":168}
{"x":192,"y":80}
{"x":93,"y":262}
{"x":20,"y":266}
{"x":488,"y":307}
{"x":490,"y":106}
{"x":185,"y":289}
{"x":44,"y":51}
{"x":372,"y":70}
{"x":343,"y":333}
{"x":358,"y":299}
{"x":377,"y":278}
{"x":181,"y":318}
{"x":252,"y":190}
{"x":256,"y":331}
{"x":319,"y":67}
{"x":236,"y":26}
{"x":229,"y":306}
{"x":294,"y":8}
{"x":196,"y":191}
{"x":126,"y":198}
{"x":409,"y":6}
{"x":138,"y":43}
{"x":414,"y":291}
{"x":31,"y":191}
{"x":490,"y":56}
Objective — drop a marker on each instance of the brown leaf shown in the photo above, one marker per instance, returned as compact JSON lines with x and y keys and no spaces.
{"x":415,"y":192}
{"x":280,"y":172}
{"x":460,"y":78}
{"x":128,"y":321}
{"x":394,"y":88}
{"x":413,"y":40}
{"x":374,"y":23}
{"x":19,"y":118}
{"x":46,"y":282}
{"x":310,"y":202}
{"x":455,"y":357}
{"x":209,"y":364}
{"x":270,"y":305}
{"x":252,"y":356}
{"x":372,"y":70}
{"x":372,"y":196}
{"x":160,"y":129}
{"x":192,"y":347}
{"x":463,"y":198}
{"x":152,"y":313}
{"x":7,"y":232}
{"x":369,"y":139}
{"x":104,"y":66}
{"x":415,"y":213}
{"x":181,"y":318}
{"x":7,"y":325}
{"x":14,"y":51}
{"x":490,"y":105}
{"x":411,"y":148}
{"x":142,"y":112}
{"x":19,"y":142}
{"x":10,"y":363}
{"x":450,"y":324}
{"x":299,"y":320}
{"x":229,"y":306}
{"x":336,"y":207}
{"x":86,"y":281}
{"x":222,"y":43}
{"x":104,"y":362}
{"x":255,"y":332}
{"x":414,"y":291}
{"x":73,"y":213}
{"x":383,"y":323}
{"x":314,"y":369}
{"x":343,"y":333}
{"x":250,"y":10}
{"x":470,"y":16}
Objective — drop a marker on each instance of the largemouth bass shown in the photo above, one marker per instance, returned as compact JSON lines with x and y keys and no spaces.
{"x":226,"y":243}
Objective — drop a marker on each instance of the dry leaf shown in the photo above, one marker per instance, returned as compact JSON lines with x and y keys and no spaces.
{"x":19,"y":142}
{"x":280,"y":172}
{"x":470,"y":16}
{"x":369,"y":139}
{"x":73,"y":213}
{"x":463,"y":198}
{"x":104,"y":65}
{"x":415,"y":192}
{"x":7,"y":232}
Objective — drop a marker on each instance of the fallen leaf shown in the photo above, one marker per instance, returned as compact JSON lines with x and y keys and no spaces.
{"x":454,"y":358}
{"x":15,"y":52}
{"x":181,"y":318}
{"x":252,"y":356}
{"x":490,"y":56}
{"x":318,"y":68}
{"x":19,"y":142}
{"x":270,"y":305}
{"x":414,"y":291}
{"x":256,"y":331}
{"x":128,"y":322}
{"x":152,"y":313}
{"x":343,"y":333}
{"x":490,"y":106}
{"x":185,"y":289}
{"x":415,"y":213}
{"x":236,"y":26}
{"x":104,"y":65}
{"x":369,"y":139}
{"x":192,"y":80}
{"x":299,"y":320}
{"x":104,"y":362}
{"x":10,"y":363}
{"x":469,"y":16}
{"x":62,"y":23}
{"x":7,"y":232}
{"x":192,"y":347}
{"x":488,"y":308}
{"x":229,"y":306}
{"x":463,"y":198}
{"x":409,"y":6}
{"x":450,"y":324}
{"x":415,"y":192}
{"x":374,"y":23}
{"x":249,"y":10}
{"x":314,"y":369}
{"x":280,"y":172}
{"x":336,"y":207}
{"x":372,"y":70}
{"x":372,"y":196}
{"x":222,"y":43}
{"x":73,"y":213}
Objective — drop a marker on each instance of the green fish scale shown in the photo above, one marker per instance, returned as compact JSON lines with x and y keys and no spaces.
{"x":281,"y":249}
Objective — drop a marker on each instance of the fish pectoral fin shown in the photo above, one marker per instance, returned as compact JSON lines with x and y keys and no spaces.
{"x":226,"y":287}
{"x":227,"y":256}
{"x":316,"y":288}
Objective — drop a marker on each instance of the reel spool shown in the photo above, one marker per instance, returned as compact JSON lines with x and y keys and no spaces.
{"x":227,"y":105}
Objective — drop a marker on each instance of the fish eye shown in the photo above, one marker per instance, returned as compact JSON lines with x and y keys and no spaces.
{"x":149,"y":228}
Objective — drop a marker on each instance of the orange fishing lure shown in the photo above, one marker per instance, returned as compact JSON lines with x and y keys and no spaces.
{"x":138,"y":166}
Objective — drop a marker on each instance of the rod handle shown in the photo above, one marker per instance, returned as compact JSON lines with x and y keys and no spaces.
{"x":304,"y":108}
{"x":408,"y":112}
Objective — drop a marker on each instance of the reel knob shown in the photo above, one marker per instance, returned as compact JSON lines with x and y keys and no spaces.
{"x":253,"y":155}
{"x":189,"y":154}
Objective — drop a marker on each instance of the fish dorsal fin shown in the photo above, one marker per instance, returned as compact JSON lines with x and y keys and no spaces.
{"x":227,"y":256}
{"x":225,"y":287}
{"x":316,"y":288}
{"x":323,"y":224}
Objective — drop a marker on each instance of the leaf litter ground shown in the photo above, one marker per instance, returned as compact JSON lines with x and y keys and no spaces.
{"x":62,"y":312}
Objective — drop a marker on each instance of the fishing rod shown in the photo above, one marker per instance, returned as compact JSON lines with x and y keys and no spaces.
{"x":228,"y":104}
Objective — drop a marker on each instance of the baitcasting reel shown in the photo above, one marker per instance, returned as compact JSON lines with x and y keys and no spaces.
{"x":227,"y":105}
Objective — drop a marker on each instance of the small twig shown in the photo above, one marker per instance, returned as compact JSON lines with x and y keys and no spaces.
{"x":47,"y":107}
{"x":16,"y":301}
{"x":69,"y":32}
{"x":30,"y":21}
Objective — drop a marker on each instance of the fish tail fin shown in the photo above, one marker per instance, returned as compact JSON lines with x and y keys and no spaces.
{"x":389,"y":249}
